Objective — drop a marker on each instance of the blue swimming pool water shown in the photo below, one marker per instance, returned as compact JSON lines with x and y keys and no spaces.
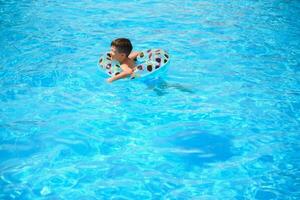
{"x":222,"y":123}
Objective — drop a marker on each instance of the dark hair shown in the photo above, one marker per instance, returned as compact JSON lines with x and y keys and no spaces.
{"x":123,"y":45}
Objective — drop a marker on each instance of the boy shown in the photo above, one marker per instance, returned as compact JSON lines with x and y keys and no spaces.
{"x":121,"y":51}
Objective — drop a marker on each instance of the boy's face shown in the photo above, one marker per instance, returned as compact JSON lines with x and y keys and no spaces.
{"x":115,"y":55}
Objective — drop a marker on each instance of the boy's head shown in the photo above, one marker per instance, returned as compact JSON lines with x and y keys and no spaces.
{"x":120,"y":48}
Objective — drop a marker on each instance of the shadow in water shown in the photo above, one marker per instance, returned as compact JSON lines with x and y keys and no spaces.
{"x":196,"y":148}
{"x":161,"y":87}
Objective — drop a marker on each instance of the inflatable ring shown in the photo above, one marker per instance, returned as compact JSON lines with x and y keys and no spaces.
{"x":147,"y":62}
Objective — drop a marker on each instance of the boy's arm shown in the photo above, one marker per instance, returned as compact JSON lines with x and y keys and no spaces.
{"x":125,"y":72}
{"x":133,"y":55}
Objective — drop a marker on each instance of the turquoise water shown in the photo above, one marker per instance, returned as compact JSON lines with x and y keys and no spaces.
{"x":222,"y":123}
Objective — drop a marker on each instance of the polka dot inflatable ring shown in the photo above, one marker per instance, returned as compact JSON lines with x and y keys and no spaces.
{"x":147,"y":63}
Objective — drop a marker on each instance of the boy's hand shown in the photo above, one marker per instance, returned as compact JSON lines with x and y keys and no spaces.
{"x":109,"y":80}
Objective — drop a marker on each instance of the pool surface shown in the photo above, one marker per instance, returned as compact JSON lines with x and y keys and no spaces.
{"x":222,"y":123}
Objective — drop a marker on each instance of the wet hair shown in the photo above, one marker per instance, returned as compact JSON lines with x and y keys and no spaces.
{"x":123,"y":45}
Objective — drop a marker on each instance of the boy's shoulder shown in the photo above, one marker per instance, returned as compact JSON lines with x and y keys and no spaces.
{"x":128,"y":63}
